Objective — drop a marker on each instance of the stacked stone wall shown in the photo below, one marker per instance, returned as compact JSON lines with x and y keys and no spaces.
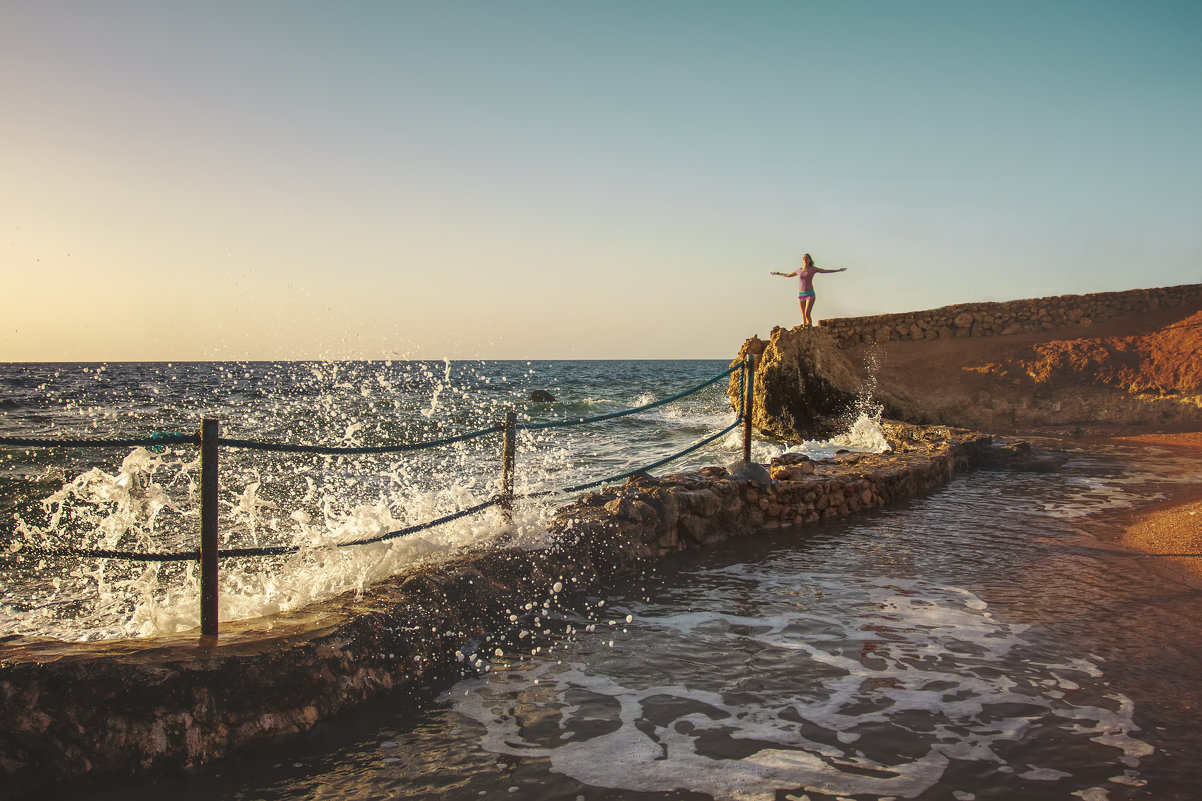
{"x":1009,"y":317}
{"x":656,"y":516}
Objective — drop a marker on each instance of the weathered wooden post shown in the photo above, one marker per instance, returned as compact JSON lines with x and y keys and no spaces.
{"x":209,"y":432}
{"x":748,"y":403}
{"x":508,"y":461}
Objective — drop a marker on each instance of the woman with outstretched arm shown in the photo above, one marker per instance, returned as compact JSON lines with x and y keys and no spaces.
{"x":805,"y":289}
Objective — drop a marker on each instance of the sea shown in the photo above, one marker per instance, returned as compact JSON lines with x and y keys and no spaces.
{"x":983,"y":641}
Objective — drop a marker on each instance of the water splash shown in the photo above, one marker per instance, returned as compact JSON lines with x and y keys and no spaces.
{"x":148,"y":501}
{"x":865,"y":436}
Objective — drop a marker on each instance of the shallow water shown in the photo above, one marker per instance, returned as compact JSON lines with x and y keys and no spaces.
{"x":976,"y":643}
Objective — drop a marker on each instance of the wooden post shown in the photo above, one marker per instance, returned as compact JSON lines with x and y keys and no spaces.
{"x":209,"y":432}
{"x":748,"y":404}
{"x":508,"y":461}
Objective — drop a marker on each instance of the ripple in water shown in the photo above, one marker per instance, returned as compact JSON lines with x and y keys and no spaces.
{"x":868,"y":686}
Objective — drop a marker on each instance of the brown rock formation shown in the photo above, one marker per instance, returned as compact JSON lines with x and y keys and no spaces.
{"x":1139,"y":369}
{"x":1165,"y":362}
{"x":805,"y":386}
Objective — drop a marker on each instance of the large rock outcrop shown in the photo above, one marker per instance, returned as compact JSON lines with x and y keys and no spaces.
{"x":1140,"y":369}
{"x":805,"y":386}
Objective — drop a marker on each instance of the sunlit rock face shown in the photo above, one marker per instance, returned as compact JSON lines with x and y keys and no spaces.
{"x":805,"y":387}
{"x":1032,"y":367}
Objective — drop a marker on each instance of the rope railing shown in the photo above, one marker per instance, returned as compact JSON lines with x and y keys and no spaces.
{"x":209,"y":440}
{"x":645,"y":468}
{"x":283,"y":550}
{"x":153,"y":441}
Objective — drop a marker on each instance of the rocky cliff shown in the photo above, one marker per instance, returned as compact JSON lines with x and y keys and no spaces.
{"x":1135,"y":366}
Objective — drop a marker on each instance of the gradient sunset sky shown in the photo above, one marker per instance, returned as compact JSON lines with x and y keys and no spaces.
{"x":286,"y":180}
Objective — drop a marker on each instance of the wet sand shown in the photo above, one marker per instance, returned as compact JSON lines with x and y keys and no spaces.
{"x":1172,"y":526}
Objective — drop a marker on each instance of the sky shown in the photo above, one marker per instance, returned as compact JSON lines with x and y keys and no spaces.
{"x":563,"y":179}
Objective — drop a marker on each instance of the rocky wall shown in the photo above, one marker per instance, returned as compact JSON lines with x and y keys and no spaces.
{"x":68,"y":709}
{"x":1010,"y":317}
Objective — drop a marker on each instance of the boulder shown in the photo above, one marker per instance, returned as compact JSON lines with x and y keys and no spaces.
{"x":749,"y":471}
{"x":805,"y":386}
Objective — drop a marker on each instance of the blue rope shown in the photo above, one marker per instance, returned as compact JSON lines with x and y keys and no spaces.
{"x":149,"y":442}
{"x":231,"y":553}
{"x":281,"y":550}
{"x":471,"y":510}
{"x":654,"y":465}
{"x":622,"y":476}
{"x":742,"y":400}
{"x":101,"y":553}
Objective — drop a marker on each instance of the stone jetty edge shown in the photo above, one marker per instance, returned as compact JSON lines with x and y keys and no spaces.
{"x":128,"y":706}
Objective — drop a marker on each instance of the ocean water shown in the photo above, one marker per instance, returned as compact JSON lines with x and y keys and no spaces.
{"x":980,"y":642}
{"x":140,"y":499}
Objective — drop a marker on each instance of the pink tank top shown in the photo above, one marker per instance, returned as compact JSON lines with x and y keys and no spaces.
{"x":805,"y":279}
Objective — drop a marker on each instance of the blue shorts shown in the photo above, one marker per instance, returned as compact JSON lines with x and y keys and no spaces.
{"x":809,"y":293}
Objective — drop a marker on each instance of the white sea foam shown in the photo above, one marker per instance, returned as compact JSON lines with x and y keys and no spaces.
{"x":865,"y":435}
{"x":149,"y":504}
{"x":916,"y":664}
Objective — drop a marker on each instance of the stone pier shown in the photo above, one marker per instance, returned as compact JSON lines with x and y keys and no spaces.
{"x":122,"y":707}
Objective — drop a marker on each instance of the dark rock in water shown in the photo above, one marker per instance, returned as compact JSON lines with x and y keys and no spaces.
{"x":1023,"y":456}
{"x":542,"y":396}
{"x":1041,"y":464}
{"x":749,"y":471}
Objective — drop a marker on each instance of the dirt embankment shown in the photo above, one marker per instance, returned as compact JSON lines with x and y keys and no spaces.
{"x":1165,"y":362}
{"x":1132,"y":374}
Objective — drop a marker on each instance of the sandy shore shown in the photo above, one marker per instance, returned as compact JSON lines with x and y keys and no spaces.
{"x":1172,"y":525}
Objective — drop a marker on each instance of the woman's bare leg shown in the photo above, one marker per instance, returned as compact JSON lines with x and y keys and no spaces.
{"x":807,"y":304}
